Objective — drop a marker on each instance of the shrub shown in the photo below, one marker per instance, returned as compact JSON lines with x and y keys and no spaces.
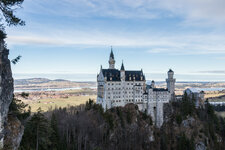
{"x":178,"y":119}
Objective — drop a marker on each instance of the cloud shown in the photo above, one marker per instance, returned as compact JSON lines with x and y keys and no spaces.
{"x":192,"y":12}
{"x":213,"y":72}
{"x":170,"y":45}
{"x":64,"y":31}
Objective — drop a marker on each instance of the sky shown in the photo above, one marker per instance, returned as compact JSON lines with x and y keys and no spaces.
{"x":70,"y":39}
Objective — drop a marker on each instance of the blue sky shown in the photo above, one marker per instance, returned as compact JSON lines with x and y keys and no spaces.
{"x":74,"y":37}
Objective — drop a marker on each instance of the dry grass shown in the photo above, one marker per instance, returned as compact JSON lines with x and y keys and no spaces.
{"x":222,"y":114}
{"x":45,"y":104}
{"x":213,"y":95}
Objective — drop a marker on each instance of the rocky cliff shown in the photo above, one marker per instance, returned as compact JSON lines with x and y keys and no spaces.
{"x":6,"y":89}
{"x":14,"y":133}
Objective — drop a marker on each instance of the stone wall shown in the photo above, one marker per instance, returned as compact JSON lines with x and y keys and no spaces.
{"x":6,"y":89}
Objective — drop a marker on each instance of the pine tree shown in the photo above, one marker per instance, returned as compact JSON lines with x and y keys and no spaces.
{"x":54,"y":135}
{"x":37,"y":133}
{"x":18,"y":109}
{"x":8,"y":8}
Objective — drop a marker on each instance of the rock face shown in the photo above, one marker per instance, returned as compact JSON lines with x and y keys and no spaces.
{"x":14,"y":133}
{"x":200,"y":146}
{"x":6,"y":89}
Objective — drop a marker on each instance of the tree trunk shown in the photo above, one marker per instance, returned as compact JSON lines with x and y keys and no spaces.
{"x":37,"y":138}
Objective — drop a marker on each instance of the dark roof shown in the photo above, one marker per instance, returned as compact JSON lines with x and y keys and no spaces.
{"x":170,"y":70}
{"x":111,"y":54}
{"x":160,"y":89}
{"x":148,"y":86}
{"x":111,"y":73}
{"x":134,"y":75}
{"x":129,"y":75}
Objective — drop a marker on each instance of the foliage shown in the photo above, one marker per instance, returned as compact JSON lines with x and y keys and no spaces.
{"x":89,"y":127}
{"x":8,"y":8}
{"x":187,"y":105}
{"x":178,"y":119}
{"x":120,"y":114}
{"x":16,"y":60}
{"x":89,"y":104}
{"x":109,"y":119}
{"x":2,"y":33}
{"x":18,"y":109}
{"x":37,"y":133}
{"x":54,"y":136}
{"x":145,"y":115}
{"x":184,"y":143}
{"x":129,"y":117}
{"x":24,"y":95}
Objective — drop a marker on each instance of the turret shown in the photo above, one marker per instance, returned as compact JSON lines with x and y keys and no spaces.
{"x":122,"y":73}
{"x":171,"y":82}
{"x":153,"y":84}
{"x":100,"y":77}
{"x":170,"y":74}
{"x":111,"y":60}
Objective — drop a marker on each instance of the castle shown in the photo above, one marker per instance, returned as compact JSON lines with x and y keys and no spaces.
{"x":120,"y":87}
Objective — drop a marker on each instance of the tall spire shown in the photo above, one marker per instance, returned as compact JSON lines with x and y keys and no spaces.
{"x":111,"y":54}
{"x":111,"y":60}
{"x":122,"y":67}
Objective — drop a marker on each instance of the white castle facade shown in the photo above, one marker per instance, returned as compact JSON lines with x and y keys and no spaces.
{"x":120,"y":87}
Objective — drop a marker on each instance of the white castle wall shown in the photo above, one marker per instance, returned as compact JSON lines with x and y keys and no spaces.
{"x":119,"y":93}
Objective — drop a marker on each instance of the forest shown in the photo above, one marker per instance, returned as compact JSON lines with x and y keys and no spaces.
{"x":88,"y":127}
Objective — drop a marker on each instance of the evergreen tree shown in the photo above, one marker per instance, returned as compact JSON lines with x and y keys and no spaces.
{"x":8,"y":8}
{"x":37,"y":133}
{"x":187,"y":105}
{"x":54,"y":135}
{"x":18,"y":109}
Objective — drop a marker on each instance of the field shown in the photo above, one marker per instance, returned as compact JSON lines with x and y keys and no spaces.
{"x":45,"y":104}
{"x":222,"y":114}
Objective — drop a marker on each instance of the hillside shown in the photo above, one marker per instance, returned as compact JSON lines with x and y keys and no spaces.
{"x":37,"y":84}
{"x":87,"y":127}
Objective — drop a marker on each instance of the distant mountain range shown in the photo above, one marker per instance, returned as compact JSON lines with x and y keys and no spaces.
{"x":36,"y":84}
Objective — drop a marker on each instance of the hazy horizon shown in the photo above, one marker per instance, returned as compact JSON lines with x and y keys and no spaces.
{"x":149,"y":76}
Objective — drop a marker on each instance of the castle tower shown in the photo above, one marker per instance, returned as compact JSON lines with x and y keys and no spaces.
{"x":111,"y":60}
{"x":171,"y":82}
{"x":122,"y":73}
{"x":101,"y":89}
{"x":153,"y":84}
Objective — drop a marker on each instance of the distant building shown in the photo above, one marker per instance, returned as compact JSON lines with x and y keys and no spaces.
{"x":120,"y":87}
